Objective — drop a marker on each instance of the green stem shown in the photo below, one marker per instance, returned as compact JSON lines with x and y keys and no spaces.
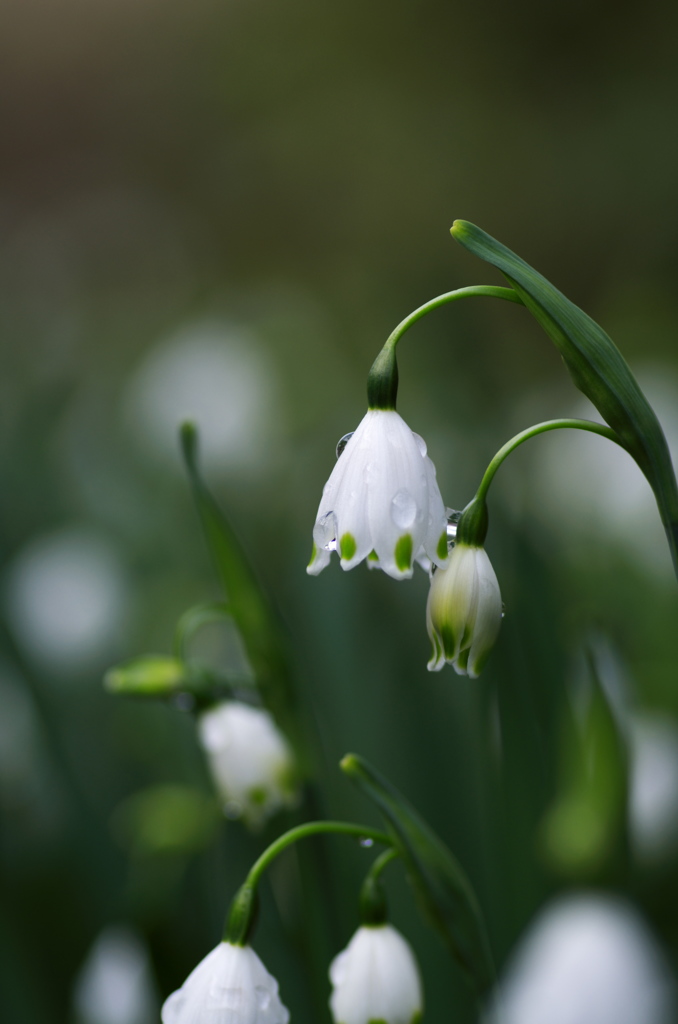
{"x":382,"y":380}
{"x":493,"y":291}
{"x":311,"y":828}
{"x":243,"y":909}
{"x":472,"y":526}
{"x":373,"y":906}
{"x":539,"y":428}
{"x":380,"y":863}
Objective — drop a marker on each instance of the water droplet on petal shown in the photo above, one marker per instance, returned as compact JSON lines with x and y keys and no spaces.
{"x":366,"y":842}
{"x":343,"y":441}
{"x":403,"y":509}
{"x":325,"y":532}
{"x":421,"y":444}
{"x":503,"y":610}
{"x":453,"y":518}
{"x":263,"y":997}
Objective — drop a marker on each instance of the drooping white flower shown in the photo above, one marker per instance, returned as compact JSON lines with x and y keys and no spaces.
{"x":381,"y":501}
{"x":376,"y":978}
{"x":587,"y":959}
{"x":251,"y":761}
{"x":464,"y":611}
{"x":230,"y":986}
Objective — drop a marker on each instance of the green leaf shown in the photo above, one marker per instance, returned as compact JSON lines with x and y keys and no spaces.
{"x":597,"y":368}
{"x":259,"y":626}
{"x":443,"y":892}
{"x":584,"y":829}
{"x":166,"y":820}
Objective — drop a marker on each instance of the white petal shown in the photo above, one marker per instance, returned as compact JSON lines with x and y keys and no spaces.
{"x":488,"y":615}
{"x":437,"y":520}
{"x":397,"y":494}
{"x":231,"y":986}
{"x":452,"y":599}
{"x":376,"y":978}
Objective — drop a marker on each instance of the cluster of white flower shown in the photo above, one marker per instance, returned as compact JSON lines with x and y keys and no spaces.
{"x":382,"y":503}
{"x":375,"y":978}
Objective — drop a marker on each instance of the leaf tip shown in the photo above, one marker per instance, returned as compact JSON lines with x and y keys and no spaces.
{"x":459,"y":228}
{"x":188,"y":437}
{"x":350,"y":764}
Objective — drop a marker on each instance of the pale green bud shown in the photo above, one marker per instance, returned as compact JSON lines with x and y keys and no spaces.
{"x":464,"y":611}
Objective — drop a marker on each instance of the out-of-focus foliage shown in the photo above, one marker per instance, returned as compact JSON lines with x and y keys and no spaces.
{"x":218,"y":211}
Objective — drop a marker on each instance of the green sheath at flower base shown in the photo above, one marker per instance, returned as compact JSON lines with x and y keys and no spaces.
{"x":382,"y":380}
{"x":242,"y":916}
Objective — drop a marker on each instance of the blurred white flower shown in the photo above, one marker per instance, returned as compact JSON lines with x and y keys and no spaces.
{"x":115,"y":985}
{"x":464,"y":611}
{"x":376,"y":978}
{"x":230,"y":986}
{"x":592,"y":492}
{"x":217,"y":376}
{"x":381,"y":501}
{"x":653,"y":805}
{"x":586,"y":960}
{"x":67,"y":599}
{"x":251,"y":761}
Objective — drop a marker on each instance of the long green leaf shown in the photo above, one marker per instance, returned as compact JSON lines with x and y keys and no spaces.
{"x":443,"y":892}
{"x":597,"y":368}
{"x":259,"y":626}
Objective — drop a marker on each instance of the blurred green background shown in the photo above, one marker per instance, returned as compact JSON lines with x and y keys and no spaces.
{"x":220,"y":210}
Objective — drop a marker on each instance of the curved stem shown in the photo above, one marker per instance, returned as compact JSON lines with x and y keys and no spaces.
{"x":539,"y":428}
{"x":440,"y":300}
{"x":384,"y":858}
{"x":311,"y":828}
{"x":382,"y":380}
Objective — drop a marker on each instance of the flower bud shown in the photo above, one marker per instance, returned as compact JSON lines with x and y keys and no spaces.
{"x":376,"y":978}
{"x":231,"y":986}
{"x":154,"y":675}
{"x":251,"y":761}
{"x":464,"y":611}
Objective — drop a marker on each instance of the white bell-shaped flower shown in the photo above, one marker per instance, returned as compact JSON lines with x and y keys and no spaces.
{"x":376,"y":978}
{"x":230,"y":986}
{"x":464,"y":611}
{"x":381,"y":501}
{"x":587,"y":959}
{"x":251,"y":762}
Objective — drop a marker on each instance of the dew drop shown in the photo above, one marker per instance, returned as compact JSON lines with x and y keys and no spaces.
{"x":263,"y":997}
{"x":403,"y":509}
{"x":343,"y":441}
{"x":421,"y":444}
{"x":325,"y":532}
{"x":184,"y":701}
{"x":453,"y":518}
{"x":503,"y":610}
{"x":366,"y":842}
